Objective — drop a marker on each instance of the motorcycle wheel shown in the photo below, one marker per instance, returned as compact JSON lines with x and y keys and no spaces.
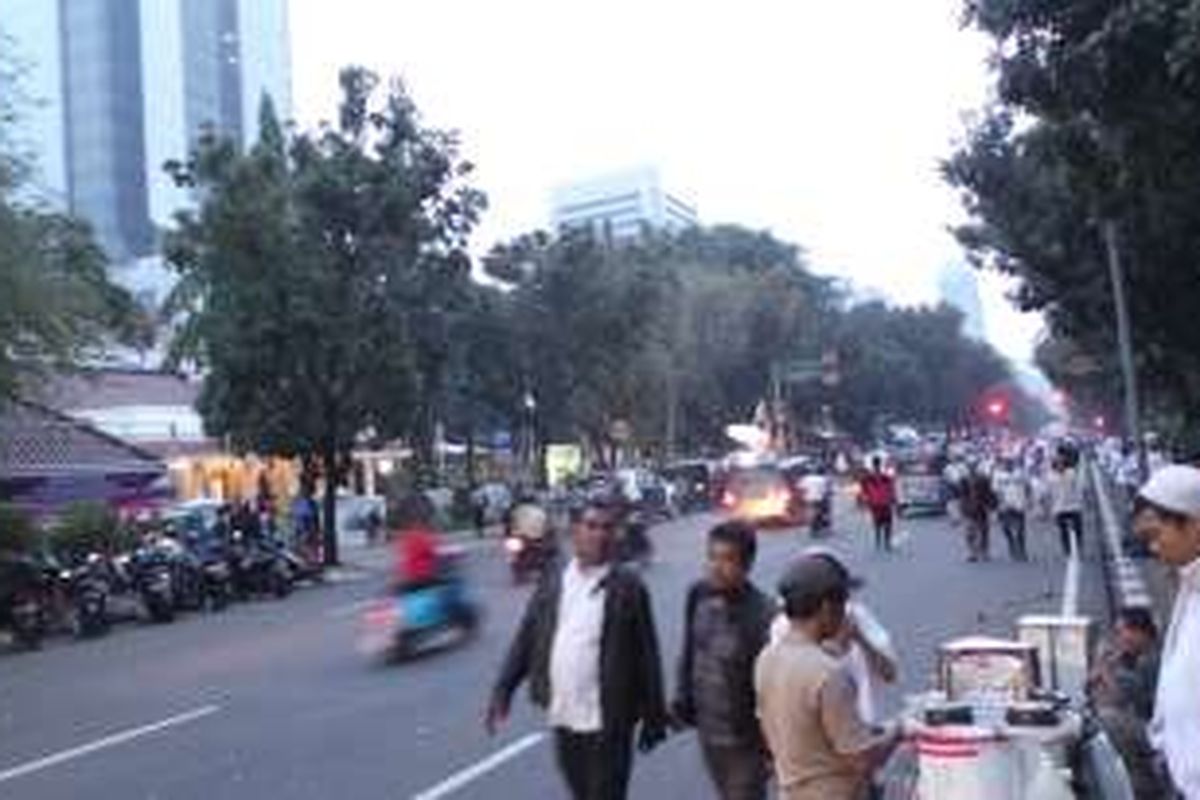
{"x":218,"y":597}
{"x":280,"y":582}
{"x":161,"y":609}
{"x":93,"y":623}
{"x":29,"y":635}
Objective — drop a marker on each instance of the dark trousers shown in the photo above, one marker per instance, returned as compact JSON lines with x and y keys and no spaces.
{"x":979,"y":535}
{"x":882,"y":517}
{"x":596,"y":766}
{"x":737,"y":772}
{"x":1013,"y":524}
{"x":1070,"y":522}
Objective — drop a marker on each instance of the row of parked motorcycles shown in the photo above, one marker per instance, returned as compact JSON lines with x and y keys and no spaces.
{"x":164,"y":576}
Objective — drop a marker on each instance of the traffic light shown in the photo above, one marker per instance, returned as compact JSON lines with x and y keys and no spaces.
{"x":997,"y":409}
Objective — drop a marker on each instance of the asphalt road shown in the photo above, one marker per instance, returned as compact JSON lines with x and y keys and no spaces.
{"x":271,"y":699}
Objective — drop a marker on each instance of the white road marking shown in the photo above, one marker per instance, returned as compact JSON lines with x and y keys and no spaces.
{"x":1070,"y":600}
{"x":112,"y":740}
{"x":461,"y":778}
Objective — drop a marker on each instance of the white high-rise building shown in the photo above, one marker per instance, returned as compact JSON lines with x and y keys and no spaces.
{"x":958,"y":286}
{"x":621,"y":205}
{"x":120,"y":87}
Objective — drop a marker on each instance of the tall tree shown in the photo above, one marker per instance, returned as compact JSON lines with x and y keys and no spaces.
{"x":317,"y":279}
{"x":1105,"y":96}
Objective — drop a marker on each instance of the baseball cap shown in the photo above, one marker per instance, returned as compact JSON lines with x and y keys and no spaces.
{"x":831,"y":555}
{"x":1175,"y":488}
{"x":812,"y":576}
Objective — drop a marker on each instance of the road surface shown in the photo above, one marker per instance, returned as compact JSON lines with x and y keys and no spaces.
{"x":270,"y":699}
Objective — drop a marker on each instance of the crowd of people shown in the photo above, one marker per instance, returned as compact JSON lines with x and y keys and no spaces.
{"x":772,"y":691}
{"x":783,"y":689}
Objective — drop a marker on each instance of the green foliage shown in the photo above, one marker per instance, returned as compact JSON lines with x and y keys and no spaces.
{"x":88,"y":526}
{"x":1106,"y":98}
{"x":57,"y":304}
{"x":680,"y":334}
{"x":321,"y":277}
{"x":18,"y":534}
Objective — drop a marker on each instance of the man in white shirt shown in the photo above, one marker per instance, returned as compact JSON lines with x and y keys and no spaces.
{"x":1066,"y":503}
{"x":1015,"y":493}
{"x":1167,"y":517}
{"x":863,"y":644}
{"x":588,"y":647}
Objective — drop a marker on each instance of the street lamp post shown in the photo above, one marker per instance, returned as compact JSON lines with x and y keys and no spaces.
{"x":529,"y":403}
{"x":1116,"y":276}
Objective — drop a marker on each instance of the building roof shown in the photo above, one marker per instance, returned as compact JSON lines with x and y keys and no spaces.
{"x":36,"y":441}
{"x":114,"y":388}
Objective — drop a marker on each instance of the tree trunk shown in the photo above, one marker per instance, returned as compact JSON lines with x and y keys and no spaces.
{"x":329,"y":461}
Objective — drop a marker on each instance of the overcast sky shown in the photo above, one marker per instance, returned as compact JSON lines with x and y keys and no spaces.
{"x":823,"y":121}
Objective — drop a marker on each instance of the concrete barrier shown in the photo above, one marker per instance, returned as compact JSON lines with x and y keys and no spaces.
{"x":1127,"y":586}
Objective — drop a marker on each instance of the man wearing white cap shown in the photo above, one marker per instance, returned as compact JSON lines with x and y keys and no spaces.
{"x":1167,"y":516}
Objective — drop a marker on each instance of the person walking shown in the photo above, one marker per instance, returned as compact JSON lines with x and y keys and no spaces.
{"x":1015,"y":493}
{"x":1167,"y":517}
{"x":878,"y":492}
{"x":1066,"y":503}
{"x":821,"y":746}
{"x":978,"y":501}
{"x":726,"y":625}
{"x":587,"y":646}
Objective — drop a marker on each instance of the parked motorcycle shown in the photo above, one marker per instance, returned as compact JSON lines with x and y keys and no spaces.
{"x":411,"y":620}
{"x":89,"y":586}
{"x":152,"y":570}
{"x":257,"y":568}
{"x":24,"y":599}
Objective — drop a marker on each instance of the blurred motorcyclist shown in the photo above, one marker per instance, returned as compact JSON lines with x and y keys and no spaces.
{"x":416,"y":543}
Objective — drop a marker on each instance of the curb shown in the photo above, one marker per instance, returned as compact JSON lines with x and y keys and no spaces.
{"x":1127,"y":586}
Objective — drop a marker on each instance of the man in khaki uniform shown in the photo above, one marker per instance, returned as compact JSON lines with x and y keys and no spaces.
{"x":822,"y":748}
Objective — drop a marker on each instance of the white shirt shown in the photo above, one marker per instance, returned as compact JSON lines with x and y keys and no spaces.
{"x":815,"y":487}
{"x":1175,"y":730}
{"x":868,"y":683}
{"x":1014,"y":490}
{"x":575,"y":653}
{"x":1066,"y":492}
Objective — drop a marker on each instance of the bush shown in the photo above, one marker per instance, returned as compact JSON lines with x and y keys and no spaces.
{"x":18,"y":534}
{"x":89,"y":526}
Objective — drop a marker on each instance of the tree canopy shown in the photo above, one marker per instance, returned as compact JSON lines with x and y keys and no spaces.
{"x":1095,"y":122}
{"x":319,"y":276}
{"x":57,"y":304}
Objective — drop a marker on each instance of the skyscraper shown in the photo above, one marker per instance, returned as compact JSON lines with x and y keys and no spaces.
{"x":120,"y":87}
{"x":620,"y":205}
{"x":958,"y":286}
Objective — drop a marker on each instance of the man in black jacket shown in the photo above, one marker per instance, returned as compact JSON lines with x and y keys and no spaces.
{"x":587,"y":645}
{"x":728,"y":622}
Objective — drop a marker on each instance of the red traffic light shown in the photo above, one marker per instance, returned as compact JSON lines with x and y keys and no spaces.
{"x":997,"y":409}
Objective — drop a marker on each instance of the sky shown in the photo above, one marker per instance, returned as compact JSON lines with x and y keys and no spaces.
{"x":821,"y":121}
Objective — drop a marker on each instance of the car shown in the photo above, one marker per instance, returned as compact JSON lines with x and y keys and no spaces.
{"x":920,"y":487}
{"x":762,"y":495}
{"x":693,"y":483}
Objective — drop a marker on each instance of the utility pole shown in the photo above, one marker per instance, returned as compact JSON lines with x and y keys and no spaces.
{"x":1133,"y":425}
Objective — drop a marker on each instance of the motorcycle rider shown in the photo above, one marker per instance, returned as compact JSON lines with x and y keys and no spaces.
{"x":416,"y":543}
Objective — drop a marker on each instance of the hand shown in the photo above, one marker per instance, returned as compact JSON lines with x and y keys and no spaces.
{"x":497,"y":715}
{"x":650,"y":736}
